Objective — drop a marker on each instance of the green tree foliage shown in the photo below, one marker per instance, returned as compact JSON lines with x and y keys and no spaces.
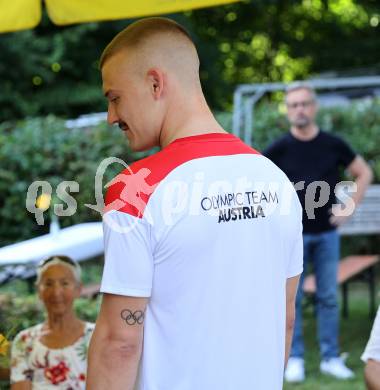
{"x":53,"y":70}
{"x":283,"y":40}
{"x":44,"y":149}
{"x":20,"y":311}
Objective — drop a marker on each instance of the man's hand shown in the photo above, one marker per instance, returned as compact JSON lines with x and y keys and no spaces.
{"x":362,"y":174}
{"x":338,"y":218}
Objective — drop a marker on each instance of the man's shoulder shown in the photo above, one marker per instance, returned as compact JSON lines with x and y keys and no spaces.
{"x":331,"y":138}
{"x":338,"y":144}
{"x":130,"y":190}
{"x":144,"y":176}
{"x":284,"y":139}
{"x":138,"y":169}
{"x":282,"y":142}
{"x":183,"y":151}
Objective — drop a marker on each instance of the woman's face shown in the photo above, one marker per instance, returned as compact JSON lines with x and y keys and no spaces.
{"x":58,"y":289}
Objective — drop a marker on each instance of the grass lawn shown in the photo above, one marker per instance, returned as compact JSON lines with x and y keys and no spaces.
{"x":354,"y":334}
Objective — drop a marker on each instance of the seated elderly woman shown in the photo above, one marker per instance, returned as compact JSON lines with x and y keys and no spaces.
{"x":371,"y":356}
{"x":53,"y":354}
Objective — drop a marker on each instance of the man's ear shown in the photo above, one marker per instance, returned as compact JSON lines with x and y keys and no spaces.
{"x":156,"y":82}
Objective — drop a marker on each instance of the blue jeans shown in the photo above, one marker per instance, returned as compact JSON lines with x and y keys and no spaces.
{"x":322,"y":250}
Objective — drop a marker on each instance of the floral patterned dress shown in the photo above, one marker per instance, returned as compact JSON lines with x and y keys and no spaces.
{"x":48,"y":368}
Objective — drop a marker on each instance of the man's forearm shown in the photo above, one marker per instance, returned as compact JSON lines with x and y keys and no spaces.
{"x":362,"y":182}
{"x":291,"y":292}
{"x":288,"y":340}
{"x":112,"y":365}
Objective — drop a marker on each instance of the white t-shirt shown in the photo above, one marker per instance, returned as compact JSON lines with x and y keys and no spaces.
{"x":372,"y":349}
{"x":210,"y":230}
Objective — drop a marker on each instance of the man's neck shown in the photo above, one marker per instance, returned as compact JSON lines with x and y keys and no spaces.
{"x":305,"y":133}
{"x":193,"y":118}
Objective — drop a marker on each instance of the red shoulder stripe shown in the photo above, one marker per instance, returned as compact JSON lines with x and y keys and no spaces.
{"x":131,"y":189}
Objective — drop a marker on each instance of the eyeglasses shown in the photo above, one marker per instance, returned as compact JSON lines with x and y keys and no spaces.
{"x":64,"y":259}
{"x":304,"y":104}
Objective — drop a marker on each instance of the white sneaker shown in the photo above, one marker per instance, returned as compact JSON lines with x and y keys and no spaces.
{"x":295,"y":370}
{"x":337,"y":368}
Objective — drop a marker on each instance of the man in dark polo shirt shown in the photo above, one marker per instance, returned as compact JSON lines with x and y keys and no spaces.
{"x":312,"y":160}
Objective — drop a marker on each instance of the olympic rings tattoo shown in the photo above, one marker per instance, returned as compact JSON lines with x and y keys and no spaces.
{"x":132,"y":318}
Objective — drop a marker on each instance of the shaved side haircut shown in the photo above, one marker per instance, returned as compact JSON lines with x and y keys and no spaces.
{"x":139,"y":33}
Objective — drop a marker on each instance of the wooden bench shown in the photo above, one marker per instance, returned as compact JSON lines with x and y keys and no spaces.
{"x":365,"y":220}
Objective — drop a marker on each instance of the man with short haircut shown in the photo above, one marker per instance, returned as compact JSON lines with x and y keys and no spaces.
{"x":309,"y":156}
{"x":202,"y":251}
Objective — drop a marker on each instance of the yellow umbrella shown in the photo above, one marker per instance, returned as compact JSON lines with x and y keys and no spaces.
{"x":22,"y":14}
